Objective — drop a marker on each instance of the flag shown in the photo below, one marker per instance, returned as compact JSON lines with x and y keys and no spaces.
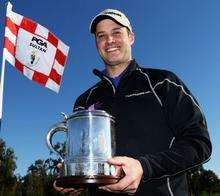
{"x":33,"y":50}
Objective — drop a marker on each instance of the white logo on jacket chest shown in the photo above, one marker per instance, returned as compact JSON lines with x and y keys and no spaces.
{"x":138,"y":94}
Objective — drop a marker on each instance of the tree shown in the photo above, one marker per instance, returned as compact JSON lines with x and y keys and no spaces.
{"x":7,"y":168}
{"x":39,"y":178}
{"x":40,"y":175}
{"x":195,"y":182}
{"x":202,"y":180}
{"x":208,"y":180}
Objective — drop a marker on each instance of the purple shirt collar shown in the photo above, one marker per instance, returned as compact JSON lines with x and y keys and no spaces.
{"x":115,"y":80}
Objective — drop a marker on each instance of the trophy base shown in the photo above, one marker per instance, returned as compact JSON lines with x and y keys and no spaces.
{"x":85,"y":181}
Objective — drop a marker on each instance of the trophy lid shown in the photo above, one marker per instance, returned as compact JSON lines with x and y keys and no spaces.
{"x":90,"y":113}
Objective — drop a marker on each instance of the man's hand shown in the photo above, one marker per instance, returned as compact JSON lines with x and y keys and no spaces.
{"x":132,"y":175}
{"x":69,"y":191}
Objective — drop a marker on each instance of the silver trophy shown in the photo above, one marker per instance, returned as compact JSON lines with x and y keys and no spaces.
{"x":90,"y":141}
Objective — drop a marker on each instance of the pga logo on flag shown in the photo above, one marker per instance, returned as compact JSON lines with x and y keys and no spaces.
{"x":34,"y":50}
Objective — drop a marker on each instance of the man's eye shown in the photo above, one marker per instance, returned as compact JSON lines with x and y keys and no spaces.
{"x":117,"y":32}
{"x":101,"y":36}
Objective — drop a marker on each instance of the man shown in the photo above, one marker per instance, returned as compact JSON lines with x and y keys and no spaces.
{"x":161,"y":132}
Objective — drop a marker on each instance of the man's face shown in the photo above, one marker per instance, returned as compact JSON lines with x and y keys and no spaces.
{"x":113,"y":42}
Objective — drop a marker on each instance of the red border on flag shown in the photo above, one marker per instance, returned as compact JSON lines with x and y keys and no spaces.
{"x":10,"y":46}
{"x":60,"y":57}
{"x":19,"y":66}
{"x":12,"y":26}
{"x":52,"y":39}
{"x":55,"y":76}
{"x":40,"y":78}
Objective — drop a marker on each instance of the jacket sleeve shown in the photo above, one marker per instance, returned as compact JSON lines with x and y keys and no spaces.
{"x":80,"y":103}
{"x":191,"y":144}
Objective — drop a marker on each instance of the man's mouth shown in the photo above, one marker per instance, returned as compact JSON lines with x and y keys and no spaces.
{"x":112,"y":49}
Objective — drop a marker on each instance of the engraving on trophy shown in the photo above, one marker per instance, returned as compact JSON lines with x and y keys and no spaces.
{"x":101,"y":168}
{"x":79,"y":169}
{"x":84,"y":143}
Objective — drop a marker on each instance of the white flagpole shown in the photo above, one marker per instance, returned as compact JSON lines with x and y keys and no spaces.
{"x":2,"y":84}
{"x":9,"y":7}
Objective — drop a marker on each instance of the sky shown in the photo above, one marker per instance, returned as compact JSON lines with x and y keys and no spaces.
{"x":180,"y":36}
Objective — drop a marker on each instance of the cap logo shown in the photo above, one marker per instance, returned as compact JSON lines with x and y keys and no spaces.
{"x":113,"y":13}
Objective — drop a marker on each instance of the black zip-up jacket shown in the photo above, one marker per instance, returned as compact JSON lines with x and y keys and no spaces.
{"x":158,"y":122}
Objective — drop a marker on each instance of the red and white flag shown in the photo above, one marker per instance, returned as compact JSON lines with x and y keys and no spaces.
{"x":34,"y":50}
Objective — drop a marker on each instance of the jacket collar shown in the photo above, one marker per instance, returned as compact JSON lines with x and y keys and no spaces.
{"x":131,"y":67}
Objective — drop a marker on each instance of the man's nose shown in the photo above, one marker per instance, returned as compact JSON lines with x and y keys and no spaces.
{"x":110,"y":39}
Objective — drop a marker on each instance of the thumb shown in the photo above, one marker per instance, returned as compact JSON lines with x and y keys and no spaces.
{"x":116,"y":160}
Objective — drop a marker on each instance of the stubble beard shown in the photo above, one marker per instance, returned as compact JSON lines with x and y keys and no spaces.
{"x":112,"y":63}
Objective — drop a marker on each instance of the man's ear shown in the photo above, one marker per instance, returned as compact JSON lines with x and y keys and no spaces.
{"x":96,"y":44}
{"x":131,"y":37}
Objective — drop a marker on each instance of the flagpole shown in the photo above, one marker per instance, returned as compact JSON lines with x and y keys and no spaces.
{"x":2,"y":84}
{"x":9,"y":6}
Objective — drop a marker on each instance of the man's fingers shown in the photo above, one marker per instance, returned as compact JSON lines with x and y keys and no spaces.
{"x":71,"y":191}
{"x":75,"y":192}
{"x":119,"y":186}
{"x":59,"y":165}
{"x":129,"y":191}
{"x":118,"y":171}
{"x":68,"y":190}
{"x":58,"y":170}
{"x":116,"y":161}
{"x":132,"y":170}
{"x":59,"y":189}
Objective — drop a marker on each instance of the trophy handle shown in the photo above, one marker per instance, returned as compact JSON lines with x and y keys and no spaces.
{"x":56,"y":128}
